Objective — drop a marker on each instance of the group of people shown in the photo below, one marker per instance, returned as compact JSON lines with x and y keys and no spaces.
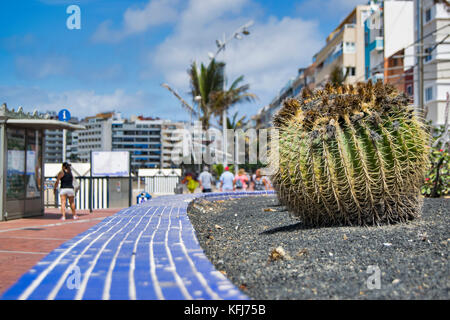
{"x":228,"y":181}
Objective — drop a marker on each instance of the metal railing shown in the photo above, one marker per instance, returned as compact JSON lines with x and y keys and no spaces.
{"x":161,"y":184}
{"x":99,"y":198}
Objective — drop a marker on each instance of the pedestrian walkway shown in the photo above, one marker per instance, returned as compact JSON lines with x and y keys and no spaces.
{"x":147,"y":251}
{"x":24,"y":242}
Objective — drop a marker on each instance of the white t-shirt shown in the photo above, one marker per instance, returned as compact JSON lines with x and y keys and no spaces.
{"x":206,"y":178}
{"x":227,"y":178}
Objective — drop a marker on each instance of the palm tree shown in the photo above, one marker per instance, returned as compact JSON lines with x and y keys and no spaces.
{"x":208,"y":97}
{"x":234,"y":95}
{"x":234,"y":123}
{"x":205,"y":82}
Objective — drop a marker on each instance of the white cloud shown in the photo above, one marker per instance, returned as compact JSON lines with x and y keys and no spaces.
{"x":81,"y":103}
{"x":137,"y":20}
{"x":267,"y":58}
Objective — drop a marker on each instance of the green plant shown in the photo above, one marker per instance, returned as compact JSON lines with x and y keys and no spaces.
{"x":235,"y":123}
{"x":338,"y":76}
{"x":351,"y":156}
{"x":209,"y":95}
{"x":218,"y":169}
{"x":205,"y":82}
{"x":437,"y":178}
{"x":237,"y":93}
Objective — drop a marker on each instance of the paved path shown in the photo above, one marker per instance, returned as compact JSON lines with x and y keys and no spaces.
{"x":24,"y":242}
{"x":147,"y":251}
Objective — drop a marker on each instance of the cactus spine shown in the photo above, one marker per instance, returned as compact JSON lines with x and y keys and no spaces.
{"x":351,"y":156}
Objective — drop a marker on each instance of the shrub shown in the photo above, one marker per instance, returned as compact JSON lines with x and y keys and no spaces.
{"x":437,"y":178}
{"x":351,"y":156}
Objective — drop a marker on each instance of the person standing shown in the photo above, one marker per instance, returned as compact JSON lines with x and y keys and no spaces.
{"x":259,"y":182}
{"x":241,"y":180}
{"x":190,"y":182}
{"x":205,"y":179}
{"x":226,"y":180}
{"x":67,"y":190}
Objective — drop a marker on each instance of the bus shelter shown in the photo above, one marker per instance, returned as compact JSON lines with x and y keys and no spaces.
{"x":21,"y":165}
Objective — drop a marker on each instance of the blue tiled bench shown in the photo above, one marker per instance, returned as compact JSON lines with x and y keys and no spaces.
{"x":147,"y":251}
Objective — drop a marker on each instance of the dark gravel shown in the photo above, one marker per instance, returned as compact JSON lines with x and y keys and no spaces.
{"x":239,"y":237}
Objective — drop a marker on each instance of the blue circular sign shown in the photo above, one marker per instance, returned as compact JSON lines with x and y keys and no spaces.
{"x":64,"y":115}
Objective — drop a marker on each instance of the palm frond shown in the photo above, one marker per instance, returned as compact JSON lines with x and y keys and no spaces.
{"x":186,"y":105}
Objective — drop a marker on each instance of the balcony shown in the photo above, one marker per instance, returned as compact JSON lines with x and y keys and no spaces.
{"x":172,"y":138}
{"x":377,"y":44}
{"x":377,"y":76}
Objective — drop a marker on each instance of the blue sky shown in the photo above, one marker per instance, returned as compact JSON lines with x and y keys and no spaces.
{"x":125,"y":49}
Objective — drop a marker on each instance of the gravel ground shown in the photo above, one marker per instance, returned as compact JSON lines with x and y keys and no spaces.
{"x":241,"y":237}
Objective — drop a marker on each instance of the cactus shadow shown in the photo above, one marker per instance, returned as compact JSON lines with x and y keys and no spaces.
{"x":290,"y":228}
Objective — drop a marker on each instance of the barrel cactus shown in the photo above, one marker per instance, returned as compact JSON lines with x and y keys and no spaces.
{"x":351,"y":155}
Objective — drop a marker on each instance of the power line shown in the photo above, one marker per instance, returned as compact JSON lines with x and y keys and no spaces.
{"x":412,"y":44}
{"x":429,"y":34}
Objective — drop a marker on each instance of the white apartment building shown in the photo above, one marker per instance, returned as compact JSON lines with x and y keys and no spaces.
{"x":344,"y":48}
{"x":170,"y":137}
{"x":436,"y":30}
{"x":96,"y":137}
{"x":150,"y":141}
{"x":385,"y":35}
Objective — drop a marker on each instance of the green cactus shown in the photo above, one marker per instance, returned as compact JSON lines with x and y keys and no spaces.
{"x":351,"y":156}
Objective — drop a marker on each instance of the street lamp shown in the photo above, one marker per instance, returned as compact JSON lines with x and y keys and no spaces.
{"x":243,"y":30}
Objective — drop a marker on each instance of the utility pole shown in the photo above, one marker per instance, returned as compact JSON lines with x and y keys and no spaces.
{"x":64,"y":150}
{"x":243,"y":30}
{"x":421,"y":56}
{"x":224,"y":112}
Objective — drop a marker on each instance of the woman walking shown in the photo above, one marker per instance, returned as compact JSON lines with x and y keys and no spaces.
{"x":241,"y":180}
{"x":66,"y":190}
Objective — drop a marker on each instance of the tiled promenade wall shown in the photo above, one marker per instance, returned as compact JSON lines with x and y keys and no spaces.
{"x":147,"y":251}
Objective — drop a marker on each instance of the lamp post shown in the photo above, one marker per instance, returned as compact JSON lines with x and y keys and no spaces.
{"x":243,"y":30}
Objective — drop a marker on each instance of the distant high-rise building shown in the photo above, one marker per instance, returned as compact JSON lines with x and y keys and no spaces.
{"x":150,"y":141}
{"x":142,"y":138}
{"x":53,"y":142}
{"x":96,"y":137}
{"x":170,"y":137}
{"x":53,"y":146}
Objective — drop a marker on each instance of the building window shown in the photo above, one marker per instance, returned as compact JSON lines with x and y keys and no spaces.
{"x":350,"y":71}
{"x":409,"y":90}
{"x":428,"y":54}
{"x":428,"y":15}
{"x":428,"y":93}
{"x":349,"y":47}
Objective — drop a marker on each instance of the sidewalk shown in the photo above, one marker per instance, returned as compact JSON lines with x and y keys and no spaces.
{"x":144,"y":252}
{"x":24,"y":242}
